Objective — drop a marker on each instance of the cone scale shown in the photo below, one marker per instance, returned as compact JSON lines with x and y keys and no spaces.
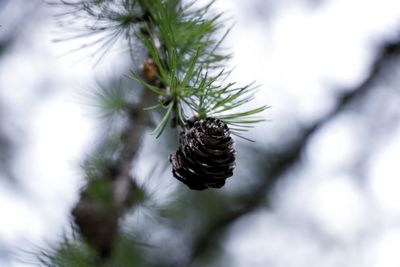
{"x":206,"y":154}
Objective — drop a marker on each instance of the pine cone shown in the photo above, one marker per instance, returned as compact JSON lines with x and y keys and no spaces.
{"x":206,"y":154}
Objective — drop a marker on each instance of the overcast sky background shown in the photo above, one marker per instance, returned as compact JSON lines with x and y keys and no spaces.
{"x":301,"y":54}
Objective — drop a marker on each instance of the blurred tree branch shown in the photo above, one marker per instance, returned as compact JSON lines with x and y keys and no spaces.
{"x":279,"y":163}
{"x":97,"y":222}
{"x":11,"y":29}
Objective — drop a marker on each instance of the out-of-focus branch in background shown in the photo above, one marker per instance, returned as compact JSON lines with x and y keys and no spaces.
{"x":97,"y":222}
{"x":279,"y":163}
{"x":11,"y":29}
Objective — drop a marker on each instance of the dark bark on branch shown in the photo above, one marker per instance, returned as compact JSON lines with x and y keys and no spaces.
{"x":280,"y":163}
{"x":97,"y":221}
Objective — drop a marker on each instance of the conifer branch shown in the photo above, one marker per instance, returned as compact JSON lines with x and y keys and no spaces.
{"x":184,"y":72}
{"x":98,"y":221}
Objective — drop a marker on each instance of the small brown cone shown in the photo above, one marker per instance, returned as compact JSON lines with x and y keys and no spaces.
{"x":206,"y":154}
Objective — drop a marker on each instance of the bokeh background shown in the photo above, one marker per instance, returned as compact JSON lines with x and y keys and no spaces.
{"x":319,"y":187}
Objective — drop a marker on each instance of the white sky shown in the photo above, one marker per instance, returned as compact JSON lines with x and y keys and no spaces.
{"x":298,"y":56}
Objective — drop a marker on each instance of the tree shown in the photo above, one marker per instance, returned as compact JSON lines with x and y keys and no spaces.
{"x":129,"y":217}
{"x":184,"y":81}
